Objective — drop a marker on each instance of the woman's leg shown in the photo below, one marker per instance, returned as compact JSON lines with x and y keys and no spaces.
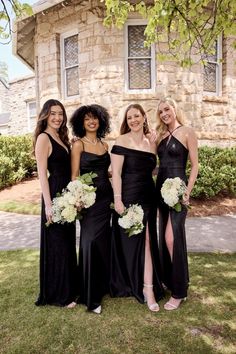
{"x":169,"y":237}
{"x":148,"y":276}
{"x":172,"y":303}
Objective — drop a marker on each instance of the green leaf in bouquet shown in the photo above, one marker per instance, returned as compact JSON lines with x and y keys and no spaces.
{"x":177,"y":207}
{"x":87,"y":178}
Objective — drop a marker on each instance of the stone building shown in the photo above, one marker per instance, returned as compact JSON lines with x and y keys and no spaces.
{"x":79,"y":61}
{"x":17,"y":106}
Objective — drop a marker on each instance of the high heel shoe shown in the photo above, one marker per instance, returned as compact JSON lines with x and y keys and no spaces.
{"x":71,"y":305}
{"x":154,"y":307}
{"x":173,"y":304}
{"x":98,"y":310}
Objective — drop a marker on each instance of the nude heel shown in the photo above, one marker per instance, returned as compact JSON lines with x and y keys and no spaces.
{"x":152,"y":307}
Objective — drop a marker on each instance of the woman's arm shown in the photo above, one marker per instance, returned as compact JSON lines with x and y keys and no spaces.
{"x":77,"y":148}
{"x":116,"y":166}
{"x":43,"y":149}
{"x":192,"y":146}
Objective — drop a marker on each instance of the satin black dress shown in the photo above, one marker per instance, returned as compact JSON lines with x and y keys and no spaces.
{"x":95,"y":236}
{"x":128,"y":253}
{"x":173,"y":157}
{"x":58,"y":260}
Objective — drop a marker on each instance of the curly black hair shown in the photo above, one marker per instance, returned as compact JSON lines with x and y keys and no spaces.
{"x":77,"y":120}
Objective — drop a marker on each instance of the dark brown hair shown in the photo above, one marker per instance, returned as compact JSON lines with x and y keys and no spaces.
{"x":124,"y":125}
{"x":77,"y":120}
{"x":42,"y":122}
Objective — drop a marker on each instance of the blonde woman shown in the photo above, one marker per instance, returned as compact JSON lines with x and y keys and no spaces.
{"x":176,"y":143}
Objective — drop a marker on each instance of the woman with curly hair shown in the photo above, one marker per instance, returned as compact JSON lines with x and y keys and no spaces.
{"x":90,"y":154}
{"x":58,"y":264}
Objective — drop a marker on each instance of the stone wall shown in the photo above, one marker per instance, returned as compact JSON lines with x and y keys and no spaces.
{"x":101,"y":73}
{"x":19,"y":93}
{"x":102,"y":76}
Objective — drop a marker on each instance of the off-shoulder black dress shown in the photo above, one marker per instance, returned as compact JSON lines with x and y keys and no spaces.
{"x":128,"y":253}
{"x":173,"y":157}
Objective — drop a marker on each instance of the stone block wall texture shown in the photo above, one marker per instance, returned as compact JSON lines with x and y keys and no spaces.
{"x":102,"y":76}
{"x":15,"y":100}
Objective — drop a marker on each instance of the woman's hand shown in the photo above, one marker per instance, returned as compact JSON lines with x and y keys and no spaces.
{"x":119,"y":206}
{"x":48,"y":212}
{"x":186,"y":196}
{"x":152,"y":136}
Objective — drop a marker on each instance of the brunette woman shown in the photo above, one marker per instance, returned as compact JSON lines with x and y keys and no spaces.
{"x":135,"y":261}
{"x":90,"y":154}
{"x":58,"y":264}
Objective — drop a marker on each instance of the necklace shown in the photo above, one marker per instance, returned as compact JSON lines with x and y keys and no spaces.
{"x":93,"y":142}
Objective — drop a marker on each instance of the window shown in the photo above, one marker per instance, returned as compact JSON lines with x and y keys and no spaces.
{"x":212,"y":74}
{"x":32,"y":114}
{"x":70,"y":64}
{"x":140,"y":60}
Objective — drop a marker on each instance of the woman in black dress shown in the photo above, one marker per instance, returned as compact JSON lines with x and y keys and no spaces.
{"x":134,"y":260}
{"x":176,"y":143}
{"x":90,"y":154}
{"x":58,"y":264}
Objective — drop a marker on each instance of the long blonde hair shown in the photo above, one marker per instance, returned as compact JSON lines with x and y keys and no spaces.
{"x":161,"y":126}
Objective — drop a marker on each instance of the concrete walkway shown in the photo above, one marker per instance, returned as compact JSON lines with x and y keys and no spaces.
{"x":204,"y":234}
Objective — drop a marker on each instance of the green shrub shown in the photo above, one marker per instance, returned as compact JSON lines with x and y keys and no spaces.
{"x":16,"y":160}
{"x":217,"y":172}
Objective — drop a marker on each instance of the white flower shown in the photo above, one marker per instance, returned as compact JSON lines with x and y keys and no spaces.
{"x":172,"y":192}
{"x":132,"y":220}
{"x":69,"y":213}
{"x":79,"y":194}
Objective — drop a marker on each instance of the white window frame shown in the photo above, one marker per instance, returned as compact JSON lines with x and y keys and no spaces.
{"x":29,"y":116}
{"x":63,"y":68}
{"x":218,"y":63}
{"x":153,"y":62}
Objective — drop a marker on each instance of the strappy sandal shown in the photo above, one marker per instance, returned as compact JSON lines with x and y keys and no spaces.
{"x":152,"y":307}
{"x":169,"y":306}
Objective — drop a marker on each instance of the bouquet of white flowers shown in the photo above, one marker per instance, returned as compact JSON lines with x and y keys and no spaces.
{"x":132,"y":220}
{"x":79,"y":194}
{"x":172,"y":192}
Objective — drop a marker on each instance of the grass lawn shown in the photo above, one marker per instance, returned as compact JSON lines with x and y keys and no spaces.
{"x":20,"y":207}
{"x":205,"y":323}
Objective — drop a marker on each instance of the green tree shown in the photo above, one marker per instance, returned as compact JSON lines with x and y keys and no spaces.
{"x":189,"y":27}
{"x":9,"y":9}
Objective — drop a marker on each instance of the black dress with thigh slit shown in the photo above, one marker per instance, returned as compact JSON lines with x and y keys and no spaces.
{"x":95,"y":235}
{"x":173,"y":157}
{"x":128,"y":253}
{"x":58,"y":261}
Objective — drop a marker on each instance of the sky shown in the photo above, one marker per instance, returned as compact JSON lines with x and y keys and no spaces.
{"x":15,"y":66}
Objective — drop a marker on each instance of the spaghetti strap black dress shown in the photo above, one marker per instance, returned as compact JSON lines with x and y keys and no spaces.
{"x":173,"y":157}
{"x":58,"y":260}
{"x":128,"y":253}
{"x":95,"y":235}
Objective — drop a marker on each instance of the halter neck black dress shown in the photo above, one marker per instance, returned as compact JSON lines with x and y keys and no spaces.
{"x":58,"y":261}
{"x":128,"y":253}
{"x":95,"y":234}
{"x":173,"y":157}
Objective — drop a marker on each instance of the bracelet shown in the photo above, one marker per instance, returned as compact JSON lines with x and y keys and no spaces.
{"x":117,"y":195}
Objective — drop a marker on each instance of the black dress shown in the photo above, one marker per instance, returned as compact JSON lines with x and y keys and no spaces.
{"x":173,"y":157}
{"x":58,"y":263}
{"x":95,"y":235}
{"x":128,"y":253}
